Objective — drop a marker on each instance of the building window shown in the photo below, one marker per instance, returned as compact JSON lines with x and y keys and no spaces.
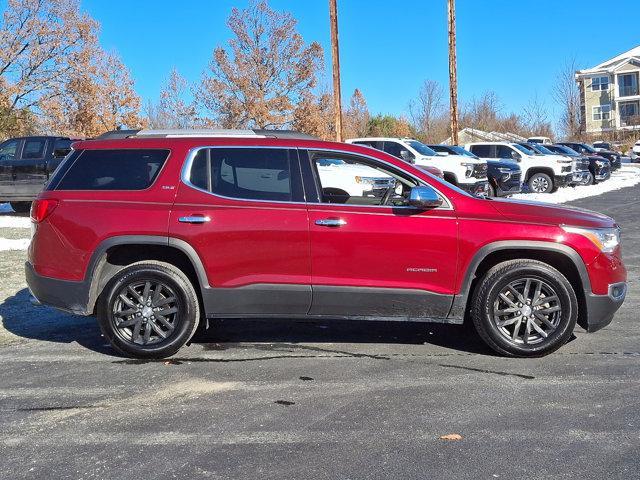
{"x":600,"y":83}
{"x":602,"y":112}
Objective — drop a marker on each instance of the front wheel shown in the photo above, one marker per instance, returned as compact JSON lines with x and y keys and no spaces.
{"x":589,"y":180}
{"x":524,"y":308}
{"x":541,"y":183}
{"x":149,"y":310}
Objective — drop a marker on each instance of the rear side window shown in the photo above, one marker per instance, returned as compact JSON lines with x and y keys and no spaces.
{"x":244,"y":173}
{"x":33,"y":149}
{"x":113,"y":170}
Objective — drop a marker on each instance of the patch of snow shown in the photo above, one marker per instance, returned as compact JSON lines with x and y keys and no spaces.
{"x":15,"y":222}
{"x":5,"y":208}
{"x":627,"y":176}
{"x":14,"y":244}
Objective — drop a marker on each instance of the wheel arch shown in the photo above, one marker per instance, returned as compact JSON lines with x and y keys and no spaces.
{"x":116,"y":253}
{"x":533,"y":170}
{"x":560,"y":256}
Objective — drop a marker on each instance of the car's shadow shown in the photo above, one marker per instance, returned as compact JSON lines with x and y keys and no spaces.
{"x":23,"y":319}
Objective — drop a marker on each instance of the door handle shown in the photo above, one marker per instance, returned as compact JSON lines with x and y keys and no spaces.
{"x":194,"y":219}
{"x":331,"y":222}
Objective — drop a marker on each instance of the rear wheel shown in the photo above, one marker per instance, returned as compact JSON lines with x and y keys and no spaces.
{"x":21,"y":207}
{"x":149,"y":310}
{"x":524,"y":308}
{"x":541,"y":183}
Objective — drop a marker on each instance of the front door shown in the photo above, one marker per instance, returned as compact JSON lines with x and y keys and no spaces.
{"x":372,"y":255}
{"x":243,"y":211}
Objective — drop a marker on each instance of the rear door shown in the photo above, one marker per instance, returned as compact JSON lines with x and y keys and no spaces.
{"x":377,"y":260}
{"x":243,"y":211}
{"x":31,"y":168}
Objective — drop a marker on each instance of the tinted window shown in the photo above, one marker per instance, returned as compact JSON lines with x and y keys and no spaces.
{"x":113,"y":170}
{"x":504,"y":151}
{"x":8,"y":149}
{"x":33,"y":149}
{"x":482,"y":151}
{"x":372,"y":144}
{"x":246,"y":173}
{"x":393,"y":148}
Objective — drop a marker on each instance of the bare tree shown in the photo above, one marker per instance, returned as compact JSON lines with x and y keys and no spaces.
{"x":482,"y":113}
{"x":173,"y":110}
{"x":567,"y":94}
{"x":314,"y":115}
{"x":357,"y":116}
{"x":425,"y":110}
{"x":535,"y":119}
{"x":264,"y":74}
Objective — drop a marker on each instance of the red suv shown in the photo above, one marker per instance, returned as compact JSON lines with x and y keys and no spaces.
{"x":158,"y":231}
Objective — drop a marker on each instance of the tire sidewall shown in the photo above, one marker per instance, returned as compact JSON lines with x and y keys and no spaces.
{"x":566,"y":296}
{"x":187,"y":312}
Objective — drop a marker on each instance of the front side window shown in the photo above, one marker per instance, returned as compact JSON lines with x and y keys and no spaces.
{"x":346,"y":179}
{"x":504,"y":151}
{"x":602,"y":112}
{"x":600,"y":83}
{"x":112,"y":170}
{"x":393,"y":148}
{"x":482,"y":151}
{"x":33,"y":149}
{"x":244,"y":173}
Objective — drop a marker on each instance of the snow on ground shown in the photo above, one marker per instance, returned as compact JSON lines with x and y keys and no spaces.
{"x":14,"y":244}
{"x":15,"y":222}
{"x":627,"y":176}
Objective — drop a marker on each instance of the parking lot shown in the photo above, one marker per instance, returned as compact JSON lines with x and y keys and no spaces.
{"x":284,"y":399}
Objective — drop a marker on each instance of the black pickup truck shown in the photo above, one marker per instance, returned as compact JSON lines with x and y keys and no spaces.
{"x":26,"y":163}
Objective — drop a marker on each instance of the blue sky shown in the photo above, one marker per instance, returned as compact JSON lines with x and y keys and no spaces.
{"x":514,"y":48}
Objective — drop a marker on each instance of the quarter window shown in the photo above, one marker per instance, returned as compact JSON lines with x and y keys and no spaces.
{"x":113,"y":170}
{"x":600,"y":83}
{"x":602,"y":112}
{"x":244,"y":173}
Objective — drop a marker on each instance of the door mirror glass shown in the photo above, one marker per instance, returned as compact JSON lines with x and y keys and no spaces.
{"x":424,"y":197}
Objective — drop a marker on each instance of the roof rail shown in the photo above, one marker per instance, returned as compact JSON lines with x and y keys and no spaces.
{"x":191,"y":133}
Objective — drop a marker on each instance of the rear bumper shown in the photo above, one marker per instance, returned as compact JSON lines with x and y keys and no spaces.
{"x":602,"y":308}
{"x":65,"y":295}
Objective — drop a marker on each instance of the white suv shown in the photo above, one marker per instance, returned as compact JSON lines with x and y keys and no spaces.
{"x":468,"y":173}
{"x":542,"y":173}
{"x":353,"y":180}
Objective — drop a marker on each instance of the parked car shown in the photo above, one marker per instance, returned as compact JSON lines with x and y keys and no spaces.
{"x":541,"y":173}
{"x":579,"y":166}
{"x":543,"y":140}
{"x":636,"y":151}
{"x":504,"y":176}
{"x":26,"y":163}
{"x":352,"y":180}
{"x":469,"y":174}
{"x":599,"y":167}
{"x":212,"y":225}
{"x":601,"y":145}
{"x":584,"y":149}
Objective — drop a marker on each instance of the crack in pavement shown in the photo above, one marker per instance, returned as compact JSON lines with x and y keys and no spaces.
{"x":495,"y":372}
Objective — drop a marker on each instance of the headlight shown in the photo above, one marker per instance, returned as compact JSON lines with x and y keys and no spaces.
{"x":606,"y":239}
{"x":506,"y":173}
{"x":470,"y":167}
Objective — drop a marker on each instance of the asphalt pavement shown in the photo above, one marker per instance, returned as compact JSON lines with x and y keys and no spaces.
{"x":319,"y":400}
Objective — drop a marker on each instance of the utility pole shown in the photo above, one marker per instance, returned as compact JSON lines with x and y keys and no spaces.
{"x":335,"y":56}
{"x":453,"y":74}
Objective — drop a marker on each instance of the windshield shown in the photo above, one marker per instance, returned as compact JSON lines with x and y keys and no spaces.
{"x":525,"y":150}
{"x":421,"y":148}
{"x":587,"y":148}
{"x":565,"y":150}
{"x":542,"y":149}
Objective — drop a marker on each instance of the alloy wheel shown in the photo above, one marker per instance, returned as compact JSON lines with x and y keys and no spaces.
{"x":539,"y":184}
{"x":145,"y":312}
{"x":527,"y":311}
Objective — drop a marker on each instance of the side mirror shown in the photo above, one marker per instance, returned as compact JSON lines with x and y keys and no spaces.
{"x":516,"y":156}
{"x":406,"y":155}
{"x":61,"y":152}
{"x":424,"y":197}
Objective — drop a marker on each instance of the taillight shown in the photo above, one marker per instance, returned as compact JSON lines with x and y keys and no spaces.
{"x":41,"y":209}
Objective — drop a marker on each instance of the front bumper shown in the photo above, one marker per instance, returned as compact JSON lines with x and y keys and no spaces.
{"x":479,"y":188}
{"x":563,"y":180}
{"x":64,"y":295}
{"x":601,"y":308}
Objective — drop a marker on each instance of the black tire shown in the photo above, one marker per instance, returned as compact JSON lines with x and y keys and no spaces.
{"x":178,"y":326}
{"x":487,"y":297}
{"x":590,"y":179}
{"x":541,"y":183}
{"x":21,"y":207}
